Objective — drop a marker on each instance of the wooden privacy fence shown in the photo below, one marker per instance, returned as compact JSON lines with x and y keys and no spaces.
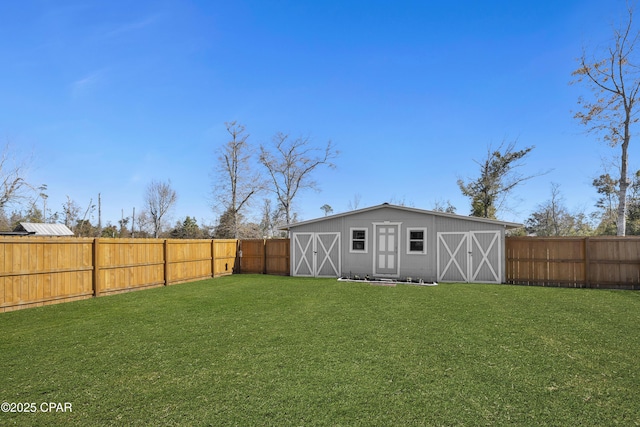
{"x":585,"y":262}
{"x":37,"y":271}
{"x":264,"y":256}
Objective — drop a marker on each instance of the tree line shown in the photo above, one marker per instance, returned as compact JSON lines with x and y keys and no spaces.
{"x":277,"y":173}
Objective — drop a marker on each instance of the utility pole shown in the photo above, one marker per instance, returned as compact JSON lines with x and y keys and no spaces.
{"x":133,"y":221}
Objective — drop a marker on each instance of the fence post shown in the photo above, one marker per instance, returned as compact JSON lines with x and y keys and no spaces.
{"x":264,"y":256}
{"x":587,"y":273}
{"x":96,"y":267}
{"x":166,"y":261}
{"x":213,"y":258}
{"x":506,"y":259}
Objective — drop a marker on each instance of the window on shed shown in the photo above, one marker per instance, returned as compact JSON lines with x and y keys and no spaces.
{"x":417,"y":241}
{"x":358,"y":240}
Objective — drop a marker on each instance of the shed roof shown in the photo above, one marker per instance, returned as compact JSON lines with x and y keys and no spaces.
{"x":44,"y":229}
{"x":506,"y":224}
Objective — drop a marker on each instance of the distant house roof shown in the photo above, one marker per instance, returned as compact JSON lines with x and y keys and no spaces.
{"x":43,"y":229}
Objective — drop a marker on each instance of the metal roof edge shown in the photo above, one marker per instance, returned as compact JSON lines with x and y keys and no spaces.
{"x":506,"y":224}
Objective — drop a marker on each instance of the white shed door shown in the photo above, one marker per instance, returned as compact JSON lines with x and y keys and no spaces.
{"x":302,"y":258}
{"x":387,"y":241}
{"x":453,"y":257}
{"x":473,"y":256}
{"x":486,"y":257}
{"x":316,"y":254}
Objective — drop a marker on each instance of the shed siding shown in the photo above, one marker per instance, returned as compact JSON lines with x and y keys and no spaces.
{"x":415,"y":265}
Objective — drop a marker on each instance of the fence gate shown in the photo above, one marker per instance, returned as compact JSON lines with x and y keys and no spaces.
{"x":316,"y":254}
{"x":473,"y":256}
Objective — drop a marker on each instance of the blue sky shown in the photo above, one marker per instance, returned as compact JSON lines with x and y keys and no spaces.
{"x":107,"y":96}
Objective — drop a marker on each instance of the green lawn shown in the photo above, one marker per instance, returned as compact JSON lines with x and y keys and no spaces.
{"x":261,"y":350}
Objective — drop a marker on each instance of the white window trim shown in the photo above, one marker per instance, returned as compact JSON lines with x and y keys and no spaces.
{"x":424,"y":245}
{"x":366,"y":240}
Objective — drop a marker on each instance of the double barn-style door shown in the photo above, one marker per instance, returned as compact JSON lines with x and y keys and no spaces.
{"x":316,"y":254}
{"x":473,"y":256}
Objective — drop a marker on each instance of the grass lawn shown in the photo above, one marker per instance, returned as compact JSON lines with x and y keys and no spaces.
{"x":261,"y":350}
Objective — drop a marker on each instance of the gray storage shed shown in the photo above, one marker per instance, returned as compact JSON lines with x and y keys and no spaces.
{"x":396,"y":242}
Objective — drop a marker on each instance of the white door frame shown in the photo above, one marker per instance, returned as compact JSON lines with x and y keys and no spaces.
{"x":476,"y":256}
{"x":381,"y":243}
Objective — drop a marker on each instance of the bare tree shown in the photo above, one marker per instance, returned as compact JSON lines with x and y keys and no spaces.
{"x":444,"y":206}
{"x":266,"y":223}
{"x":552,"y":218}
{"x":159,"y":199}
{"x":400,"y":201}
{"x":144,"y":224}
{"x":84,"y":227}
{"x":81,"y":226}
{"x":238,"y":182}
{"x":271,"y":220}
{"x":546,"y":221}
{"x":13,"y":185}
{"x":291,"y":165}
{"x":613,"y":75}
{"x":71,"y":212}
{"x":355,"y":202}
